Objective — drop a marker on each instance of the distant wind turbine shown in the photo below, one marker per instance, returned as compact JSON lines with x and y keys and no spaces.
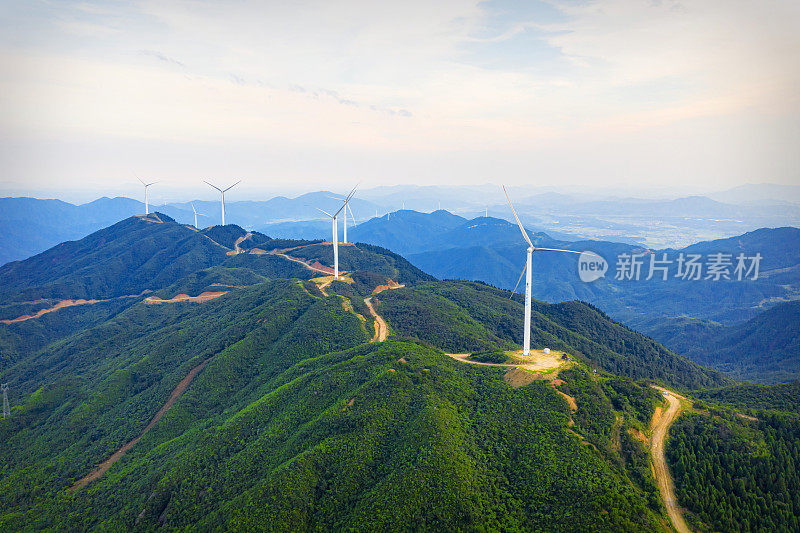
{"x":526,"y":345}
{"x":146,"y":185}
{"x":222,"y":193}
{"x":195,"y":216}
{"x":335,"y":225}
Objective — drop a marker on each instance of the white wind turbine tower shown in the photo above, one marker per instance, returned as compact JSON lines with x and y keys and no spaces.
{"x":222,"y":193}
{"x":146,"y":185}
{"x":528,"y":271}
{"x":335,"y":224}
{"x":195,"y":216}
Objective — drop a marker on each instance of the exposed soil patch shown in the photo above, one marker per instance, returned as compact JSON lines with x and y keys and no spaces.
{"x":315,"y":266}
{"x":516,"y":377}
{"x":60,"y":305}
{"x":537,"y":361}
{"x":319,"y":267}
{"x":656,"y":417}
{"x":389,"y":285}
{"x":638,"y":435}
{"x":203,"y":297}
{"x":151,"y":217}
{"x":573,"y":405}
{"x":98,"y":472}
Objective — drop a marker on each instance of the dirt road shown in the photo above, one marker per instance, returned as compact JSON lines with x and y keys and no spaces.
{"x":206,"y":296}
{"x":61,"y":305}
{"x":540,"y":362}
{"x":381,"y":329}
{"x":98,"y":472}
{"x":315,"y":268}
{"x":663,"y":477}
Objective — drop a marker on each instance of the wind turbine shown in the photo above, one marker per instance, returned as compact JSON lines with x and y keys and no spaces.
{"x":335,"y":224}
{"x":347,"y":207}
{"x":526,"y":344}
{"x":195,"y":215}
{"x":146,"y":185}
{"x":222,"y":192}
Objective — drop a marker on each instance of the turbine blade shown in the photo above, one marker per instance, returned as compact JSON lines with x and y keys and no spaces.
{"x":347,"y":199}
{"x":220,"y":190}
{"x":560,"y":250}
{"x":232,"y":186}
{"x":351,"y":214}
{"x":520,"y":279}
{"x":521,"y":228}
{"x":323,"y":211}
{"x":140,"y":179}
{"x":193,"y":209}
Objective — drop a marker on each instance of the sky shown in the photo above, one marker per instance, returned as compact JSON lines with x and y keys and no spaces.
{"x":698,"y":94}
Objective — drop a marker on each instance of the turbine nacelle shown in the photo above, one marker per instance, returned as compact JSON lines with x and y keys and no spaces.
{"x":222,"y":193}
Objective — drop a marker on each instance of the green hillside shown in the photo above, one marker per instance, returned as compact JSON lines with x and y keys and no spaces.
{"x":287,"y":417}
{"x":737,"y":475}
{"x":765,"y":348}
{"x":784,"y":397}
{"x":126,"y":258}
{"x":297,"y":423}
{"x":467,"y":316}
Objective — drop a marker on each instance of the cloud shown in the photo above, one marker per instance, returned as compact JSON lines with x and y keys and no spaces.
{"x":416,"y":77}
{"x":162,"y":57}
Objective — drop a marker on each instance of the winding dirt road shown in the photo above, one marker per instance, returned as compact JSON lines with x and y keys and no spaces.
{"x":179,"y":389}
{"x":665,"y":484}
{"x":381,"y":329}
{"x":323,"y":269}
{"x":61,"y":304}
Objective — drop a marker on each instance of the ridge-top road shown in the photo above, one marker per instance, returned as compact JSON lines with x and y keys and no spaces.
{"x":663,"y":477}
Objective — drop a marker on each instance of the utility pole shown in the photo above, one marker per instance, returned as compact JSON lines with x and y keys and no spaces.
{"x":6,"y":408}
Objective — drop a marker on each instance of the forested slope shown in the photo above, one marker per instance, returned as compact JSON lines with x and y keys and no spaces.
{"x":296,"y":421}
{"x":467,"y":316}
{"x":765,"y":348}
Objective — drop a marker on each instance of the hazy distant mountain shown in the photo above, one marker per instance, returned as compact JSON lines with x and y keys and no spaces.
{"x":762,"y":193}
{"x":29,"y":225}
